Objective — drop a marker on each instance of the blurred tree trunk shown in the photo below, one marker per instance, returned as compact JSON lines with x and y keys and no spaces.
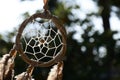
{"x":105,"y":14}
{"x":110,"y":43}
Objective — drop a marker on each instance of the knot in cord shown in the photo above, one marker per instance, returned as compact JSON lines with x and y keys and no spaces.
{"x":45,"y":5}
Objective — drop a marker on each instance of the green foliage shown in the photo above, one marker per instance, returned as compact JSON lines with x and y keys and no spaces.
{"x":60,"y":10}
{"x":4,"y":45}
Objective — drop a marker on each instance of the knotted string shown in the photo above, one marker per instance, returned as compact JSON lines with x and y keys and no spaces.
{"x":45,"y":5}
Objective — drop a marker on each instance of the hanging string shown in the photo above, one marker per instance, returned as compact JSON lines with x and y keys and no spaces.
{"x":45,"y":5}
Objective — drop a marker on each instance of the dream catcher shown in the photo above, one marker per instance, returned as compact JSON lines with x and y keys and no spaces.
{"x":41,"y":42}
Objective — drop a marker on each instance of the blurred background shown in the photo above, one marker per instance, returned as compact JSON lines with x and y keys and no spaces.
{"x":93,"y":36}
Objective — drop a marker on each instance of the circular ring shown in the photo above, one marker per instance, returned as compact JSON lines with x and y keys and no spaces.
{"x":55,"y":20}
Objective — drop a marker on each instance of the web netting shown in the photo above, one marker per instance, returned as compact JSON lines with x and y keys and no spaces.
{"x":41,"y":40}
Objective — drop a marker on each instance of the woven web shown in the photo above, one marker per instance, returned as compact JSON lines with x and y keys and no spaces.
{"x":41,"y":41}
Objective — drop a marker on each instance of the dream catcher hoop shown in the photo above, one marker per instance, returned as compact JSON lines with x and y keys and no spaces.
{"x":41,"y":39}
